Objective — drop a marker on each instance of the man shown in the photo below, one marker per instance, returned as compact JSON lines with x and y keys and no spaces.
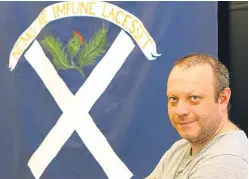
{"x":198,"y":100}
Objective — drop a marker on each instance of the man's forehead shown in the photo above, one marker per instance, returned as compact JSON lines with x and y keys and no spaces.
{"x":195,"y":72}
{"x":193,"y":67}
{"x":193,"y":78}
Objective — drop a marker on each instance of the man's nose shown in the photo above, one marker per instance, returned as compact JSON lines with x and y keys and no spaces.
{"x":182,"y":109}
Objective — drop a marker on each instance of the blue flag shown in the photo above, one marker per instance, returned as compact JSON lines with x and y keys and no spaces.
{"x":83,"y":84}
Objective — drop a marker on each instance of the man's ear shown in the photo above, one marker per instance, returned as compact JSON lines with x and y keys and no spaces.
{"x":224,"y":98}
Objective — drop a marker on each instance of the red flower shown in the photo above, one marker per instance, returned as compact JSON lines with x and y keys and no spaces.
{"x":79,"y":36}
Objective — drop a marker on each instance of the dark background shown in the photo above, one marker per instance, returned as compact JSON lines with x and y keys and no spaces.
{"x":233,"y":52}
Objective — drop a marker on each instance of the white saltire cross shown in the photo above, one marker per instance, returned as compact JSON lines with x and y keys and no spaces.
{"x":76,"y":108}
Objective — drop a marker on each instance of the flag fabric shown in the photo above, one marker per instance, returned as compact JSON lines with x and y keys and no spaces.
{"x":83,"y":84}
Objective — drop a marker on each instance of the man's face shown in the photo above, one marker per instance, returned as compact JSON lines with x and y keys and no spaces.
{"x":192,"y":109}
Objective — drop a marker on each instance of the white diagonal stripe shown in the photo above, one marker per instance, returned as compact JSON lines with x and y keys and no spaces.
{"x":76,"y":108}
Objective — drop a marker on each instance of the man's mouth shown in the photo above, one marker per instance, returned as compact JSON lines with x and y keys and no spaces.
{"x":186,"y":123}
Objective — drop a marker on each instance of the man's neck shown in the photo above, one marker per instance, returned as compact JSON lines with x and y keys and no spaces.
{"x":225,"y":126}
{"x":197,"y":146}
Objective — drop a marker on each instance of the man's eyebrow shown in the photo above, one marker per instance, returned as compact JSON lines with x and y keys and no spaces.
{"x":197,"y":92}
{"x":173,"y":93}
{"x":169,"y":93}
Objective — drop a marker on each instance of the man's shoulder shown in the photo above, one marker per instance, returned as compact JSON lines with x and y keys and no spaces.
{"x":224,"y":156}
{"x":181,"y":143}
{"x":232,"y":143}
{"x":221,"y":166}
{"x":178,"y":148}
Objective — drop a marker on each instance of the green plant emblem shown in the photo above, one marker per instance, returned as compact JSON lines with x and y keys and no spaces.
{"x":77,"y":54}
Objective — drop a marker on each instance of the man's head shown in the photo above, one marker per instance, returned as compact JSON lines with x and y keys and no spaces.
{"x":198,"y":96}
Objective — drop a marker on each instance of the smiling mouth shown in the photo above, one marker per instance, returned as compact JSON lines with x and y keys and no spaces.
{"x":186,"y":123}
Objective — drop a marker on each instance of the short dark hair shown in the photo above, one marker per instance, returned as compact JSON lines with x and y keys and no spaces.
{"x":220,"y":71}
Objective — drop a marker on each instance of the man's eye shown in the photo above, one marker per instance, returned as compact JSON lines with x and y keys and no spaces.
{"x":172,"y":99}
{"x":194,"y":98}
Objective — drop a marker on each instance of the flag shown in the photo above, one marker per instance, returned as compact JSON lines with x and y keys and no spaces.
{"x":83,"y":84}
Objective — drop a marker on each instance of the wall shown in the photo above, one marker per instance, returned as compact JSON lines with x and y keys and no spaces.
{"x":233,"y":52}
